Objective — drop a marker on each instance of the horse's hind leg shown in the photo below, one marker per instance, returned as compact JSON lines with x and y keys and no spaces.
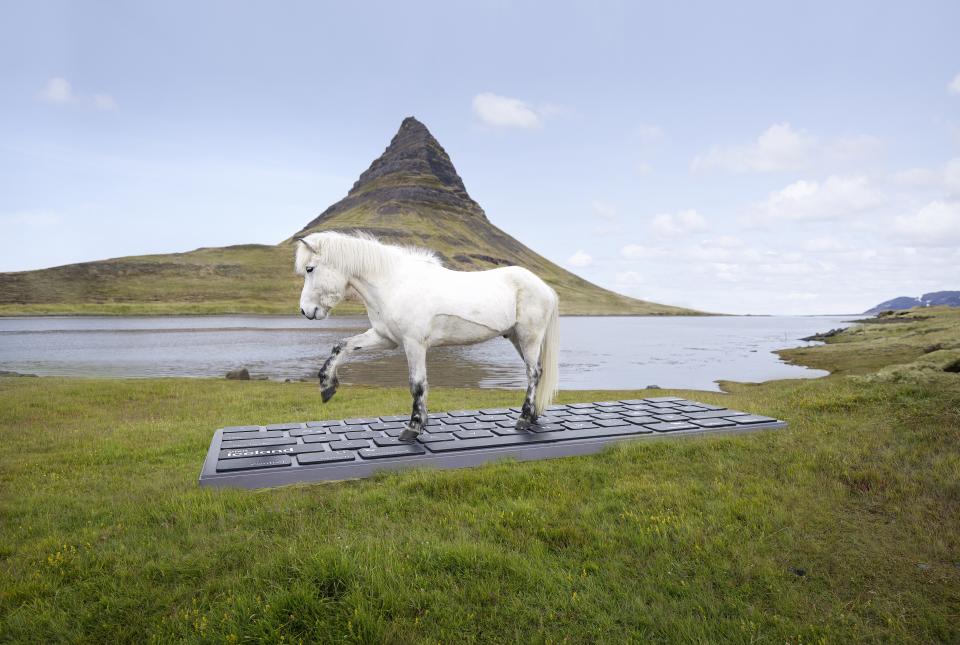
{"x":528,"y":346}
{"x":417,"y":366}
{"x":369,"y":339}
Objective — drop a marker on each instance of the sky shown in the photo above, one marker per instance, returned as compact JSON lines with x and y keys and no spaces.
{"x":741,"y":157}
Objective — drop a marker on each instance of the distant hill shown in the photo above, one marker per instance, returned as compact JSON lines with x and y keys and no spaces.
{"x":411,"y":194}
{"x":935,"y":299}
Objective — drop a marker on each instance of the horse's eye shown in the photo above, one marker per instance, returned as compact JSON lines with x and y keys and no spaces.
{"x":309,"y":269}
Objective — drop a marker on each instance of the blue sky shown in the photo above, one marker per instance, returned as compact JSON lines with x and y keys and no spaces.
{"x":765,"y":157}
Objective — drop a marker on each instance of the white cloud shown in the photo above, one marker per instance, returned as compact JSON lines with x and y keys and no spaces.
{"x":945,"y":178}
{"x":782,"y":147}
{"x":681,"y":223}
{"x":936,"y":224}
{"x":580,"y":260}
{"x":57,"y":90}
{"x":835,"y":198}
{"x":954,"y":86}
{"x":505,"y":112}
{"x":104,"y":102}
{"x":824,"y":244}
{"x":951,"y":177}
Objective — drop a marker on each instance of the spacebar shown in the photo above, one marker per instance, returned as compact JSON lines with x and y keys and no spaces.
{"x":493,"y":442}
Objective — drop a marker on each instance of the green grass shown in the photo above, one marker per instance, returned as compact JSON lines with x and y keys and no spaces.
{"x":105,"y":535}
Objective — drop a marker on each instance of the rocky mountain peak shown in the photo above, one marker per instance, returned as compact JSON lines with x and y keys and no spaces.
{"x":414,"y":173}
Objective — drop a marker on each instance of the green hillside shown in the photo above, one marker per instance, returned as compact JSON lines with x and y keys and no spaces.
{"x":410,"y":195}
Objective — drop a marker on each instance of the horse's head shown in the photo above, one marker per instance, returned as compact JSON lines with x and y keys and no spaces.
{"x":323,"y":285}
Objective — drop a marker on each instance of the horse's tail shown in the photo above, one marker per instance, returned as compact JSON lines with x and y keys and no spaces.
{"x":549,"y":361}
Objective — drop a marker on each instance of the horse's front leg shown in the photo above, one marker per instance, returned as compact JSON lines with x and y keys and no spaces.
{"x":417,"y":366}
{"x":369,"y":339}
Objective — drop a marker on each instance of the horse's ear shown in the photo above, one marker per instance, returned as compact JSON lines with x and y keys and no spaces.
{"x":305,"y":243}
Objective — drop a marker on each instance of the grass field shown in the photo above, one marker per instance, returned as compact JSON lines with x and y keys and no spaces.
{"x":845,"y":527}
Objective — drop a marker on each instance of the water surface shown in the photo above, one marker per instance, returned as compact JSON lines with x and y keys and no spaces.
{"x":596,"y":352}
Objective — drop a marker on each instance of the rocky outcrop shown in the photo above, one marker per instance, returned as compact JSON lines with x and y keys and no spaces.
{"x":414,"y":169}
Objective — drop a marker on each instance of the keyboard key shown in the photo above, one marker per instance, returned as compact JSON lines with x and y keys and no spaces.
{"x":391,"y":451}
{"x":230,"y":436}
{"x":395,"y":417}
{"x":320,"y":438}
{"x":496,"y":411}
{"x":324,"y":424}
{"x":491,"y":417}
{"x":325,"y":457}
{"x":748,"y":419}
{"x":430,"y":437}
{"x":713,"y":423}
{"x":714,"y":414}
{"x":671,"y":426}
{"x":547,"y":427}
{"x":352,"y":444}
{"x":605,"y":415}
{"x":639,"y":417}
{"x":577,"y":417}
{"x":391,"y":425}
{"x":578,"y":425}
{"x":509,"y":431}
{"x":477,"y":426}
{"x":491,"y":442}
{"x":611,"y":423}
{"x":472,"y":434}
{"x":366,"y":434}
{"x":308,"y":431}
{"x":256,"y":443}
{"x":671,"y":417}
{"x":361,"y":422}
{"x":388,"y":441}
{"x":253,"y":463}
{"x":463,"y":413}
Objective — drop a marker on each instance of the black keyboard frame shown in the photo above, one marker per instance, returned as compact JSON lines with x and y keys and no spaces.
{"x":333,"y":450}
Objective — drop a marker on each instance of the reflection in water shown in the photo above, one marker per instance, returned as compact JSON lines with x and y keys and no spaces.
{"x":596,"y":352}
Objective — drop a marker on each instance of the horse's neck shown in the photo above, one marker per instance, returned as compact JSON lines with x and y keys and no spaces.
{"x":368,"y":285}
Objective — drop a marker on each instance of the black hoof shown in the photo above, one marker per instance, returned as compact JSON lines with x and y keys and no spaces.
{"x":327,"y":394}
{"x":524,"y":424}
{"x":409,"y":435}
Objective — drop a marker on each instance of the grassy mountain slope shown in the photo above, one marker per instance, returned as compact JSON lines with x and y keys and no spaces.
{"x":410,"y":195}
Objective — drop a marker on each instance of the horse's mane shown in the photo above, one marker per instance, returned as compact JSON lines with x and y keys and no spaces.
{"x":358,"y":252}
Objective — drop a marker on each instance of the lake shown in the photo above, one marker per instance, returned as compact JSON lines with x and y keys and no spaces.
{"x":596,"y":352}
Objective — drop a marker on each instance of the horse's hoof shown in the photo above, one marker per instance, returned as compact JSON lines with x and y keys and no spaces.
{"x":523,"y":424}
{"x":327,"y":394}
{"x":408,"y":435}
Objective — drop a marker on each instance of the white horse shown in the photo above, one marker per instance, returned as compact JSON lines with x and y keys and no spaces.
{"x":415,"y":303}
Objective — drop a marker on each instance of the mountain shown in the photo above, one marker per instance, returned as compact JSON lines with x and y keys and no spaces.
{"x":935,"y":299}
{"x":411,"y":194}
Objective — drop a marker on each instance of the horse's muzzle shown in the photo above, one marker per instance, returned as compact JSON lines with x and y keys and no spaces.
{"x":313,"y":315}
